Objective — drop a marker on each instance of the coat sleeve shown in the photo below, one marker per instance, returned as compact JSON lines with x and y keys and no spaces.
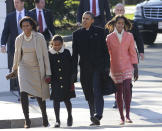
{"x":45,"y":56}
{"x":132,"y":51}
{"x":80,"y":11}
{"x":138,"y":38}
{"x":107,"y":10}
{"x":16,"y":55}
{"x":5,"y":33}
{"x":75,"y":52}
{"x":106,"y":53}
{"x":51,"y":26}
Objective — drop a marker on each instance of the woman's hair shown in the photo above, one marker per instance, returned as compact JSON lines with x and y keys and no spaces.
{"x":56,"y":38}
{"x":111,"y":24}
{"x":31,"y":22}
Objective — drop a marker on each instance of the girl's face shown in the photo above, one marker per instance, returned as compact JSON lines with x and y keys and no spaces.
{"x":120,"y":25}
{"x":57,"y":45}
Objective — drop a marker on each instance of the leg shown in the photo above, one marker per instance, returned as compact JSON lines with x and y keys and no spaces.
{"x":56,"y":106}
{"x":119,"y":98}
{"x":25,"y":107}
{"x":69,"y":110}
{"x":115,"y":103}
{"x":127,"y":97}
{"x":86,"y":82}
{"x":98,"y":97}
{"x":42,"y":105}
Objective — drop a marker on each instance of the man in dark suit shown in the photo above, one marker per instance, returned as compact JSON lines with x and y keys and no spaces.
{"x":98,"y":7}
{"x":44,"y":18}
{"x":119,"y":9}
{"x":89,"y":43}
{"x":10,"y":32}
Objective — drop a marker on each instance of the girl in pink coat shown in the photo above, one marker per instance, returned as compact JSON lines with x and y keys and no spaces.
{"x":123,"y":62}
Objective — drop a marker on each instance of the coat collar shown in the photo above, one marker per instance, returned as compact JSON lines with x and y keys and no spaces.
{"x":52,"y":51}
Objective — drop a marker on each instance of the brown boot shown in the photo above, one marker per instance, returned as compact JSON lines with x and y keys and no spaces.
{"x":25,"y":108}
{"x":42,"y":105}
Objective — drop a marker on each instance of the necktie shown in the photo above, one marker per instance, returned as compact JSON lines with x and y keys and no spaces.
{"x":94,"y":7}
{"x":40,"y":22}
{"x":18,"y":24}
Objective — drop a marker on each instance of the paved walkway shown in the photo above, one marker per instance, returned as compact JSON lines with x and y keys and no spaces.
{"x":146,"y":109}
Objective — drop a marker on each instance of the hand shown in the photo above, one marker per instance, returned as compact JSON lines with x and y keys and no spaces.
{"x":3,"y":49}
{"x":48,"y":79}
{"x":135,"y":72}
{"x":12,"y":75}
{"x":142,"y":56}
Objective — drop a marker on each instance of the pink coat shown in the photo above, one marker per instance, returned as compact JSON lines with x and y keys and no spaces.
{"x":122,"y":56}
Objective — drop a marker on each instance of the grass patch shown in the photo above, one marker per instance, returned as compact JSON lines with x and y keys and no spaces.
{"x":129,"y":16}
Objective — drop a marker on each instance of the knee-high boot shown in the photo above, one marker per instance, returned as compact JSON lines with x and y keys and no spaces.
{"x":42,"y":105}
{"x":25,"y":108}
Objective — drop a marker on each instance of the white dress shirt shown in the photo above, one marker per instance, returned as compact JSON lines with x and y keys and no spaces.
{"x":43,"y":18}
{"x":97,"y":7}
{"x":17,"y":15}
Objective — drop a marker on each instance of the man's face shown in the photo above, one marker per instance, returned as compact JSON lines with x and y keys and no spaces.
{"x":41,"y":4}
{"x":18,"y":5}
{"x":119,"y":10}
{"x":87,"y":21}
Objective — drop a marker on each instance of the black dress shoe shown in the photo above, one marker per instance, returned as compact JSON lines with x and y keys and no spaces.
{"x":70,"y":121}
{"x":115,"y":105}
{"x":95,"y":120}
{"x":57,"y":124}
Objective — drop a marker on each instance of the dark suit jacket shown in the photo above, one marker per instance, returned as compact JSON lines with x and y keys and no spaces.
{"x":49,"y":21}
{"x":9,"y":34}
{"x":10,"y":31}
{"x":91,"y":47}
{"x":103,"y":7}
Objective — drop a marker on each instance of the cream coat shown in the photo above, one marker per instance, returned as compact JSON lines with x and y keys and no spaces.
{"x":42,"y":56}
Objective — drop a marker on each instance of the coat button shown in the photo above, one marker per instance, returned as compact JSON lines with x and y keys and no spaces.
{"x":58,"y":61}
{"x":59,"y":69}
{"x":60,"y":78}
{"x":61,"y":86}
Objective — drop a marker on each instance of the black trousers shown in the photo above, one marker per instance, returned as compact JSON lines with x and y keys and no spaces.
{"x":14,"y":84}
{"x":86,"y":77}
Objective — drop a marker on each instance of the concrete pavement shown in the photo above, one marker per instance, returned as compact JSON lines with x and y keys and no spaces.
{"x":146,"y":108}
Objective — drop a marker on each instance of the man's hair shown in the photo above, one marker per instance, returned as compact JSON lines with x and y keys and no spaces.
{"x":36,"y":1}
{"x":89,"y":13}
{"x":22,"y":0}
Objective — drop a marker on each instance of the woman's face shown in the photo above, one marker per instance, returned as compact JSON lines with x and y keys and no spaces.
{"x":57,"y":45}
{"x":26,"y":27}
{"x":120,"y":25}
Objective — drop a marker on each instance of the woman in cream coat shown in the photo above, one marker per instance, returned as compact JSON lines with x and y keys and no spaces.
{"x":32,"y":64}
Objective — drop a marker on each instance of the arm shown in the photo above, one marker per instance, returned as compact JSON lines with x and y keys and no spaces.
{"x":139,"y":40}
{"x":5,"y":35}
{"x":107,"y":10}
{"x":45,"y":56}
{"x":75,"y":56}
{"x":133,"y":57}
{"x":80,"y":11}
{"x":51,"y":28}
{"x":15,"y":61}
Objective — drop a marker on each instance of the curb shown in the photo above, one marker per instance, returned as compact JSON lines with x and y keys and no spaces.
{"x":19,"y":123}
